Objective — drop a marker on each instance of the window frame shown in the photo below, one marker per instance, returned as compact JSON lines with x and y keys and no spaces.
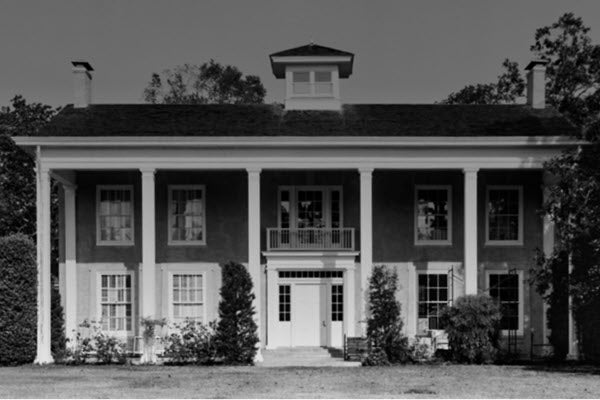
{"x":521,"y":288}
{"x":312,"y":82}
{"x":120,"y":333}
{"x":171,"y":242}
{"x":441,"y":270}
{"x":421,"y":242}
{"x":285,"y":314}
{"x":99,"y":241}
{"x":519,"y":241}
{"x":325,"y":190}
{"x":171,"y":274}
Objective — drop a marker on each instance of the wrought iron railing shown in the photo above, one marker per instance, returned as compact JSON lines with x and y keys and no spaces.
{"x":310,"y":239}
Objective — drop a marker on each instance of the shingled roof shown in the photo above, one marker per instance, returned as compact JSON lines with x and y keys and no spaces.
{"x":271,"y":120}
{"x":311,"y":49}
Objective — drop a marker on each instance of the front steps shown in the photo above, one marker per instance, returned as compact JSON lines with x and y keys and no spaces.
{"x":305,"y":357}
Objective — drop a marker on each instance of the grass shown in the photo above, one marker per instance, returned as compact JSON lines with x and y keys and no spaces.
{"x":457,"y":381}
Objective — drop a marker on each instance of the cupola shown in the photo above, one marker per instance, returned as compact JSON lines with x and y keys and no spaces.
{"x":312,"y":76}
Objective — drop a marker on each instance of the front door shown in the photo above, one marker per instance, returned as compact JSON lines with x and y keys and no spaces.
{"x":308,"y":315}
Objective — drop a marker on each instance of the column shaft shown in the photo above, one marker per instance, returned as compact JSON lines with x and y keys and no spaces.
{"x":70,"y":265}
{"x":366,"y":237}
{"x":147,"y":305}
{"x":254,"y":246}
{"x":470,"y":231}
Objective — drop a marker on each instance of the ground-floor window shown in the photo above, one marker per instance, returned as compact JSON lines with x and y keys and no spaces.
{"x":115,"y":302}
{"x":285,"y":303}
{"x":188,"y":297}
{"x":505,"y":289}
{"x":337,"y":302}
{"x":433,"y":297}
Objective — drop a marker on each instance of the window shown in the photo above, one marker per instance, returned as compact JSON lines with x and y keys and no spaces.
{"x":115,"y":302}
{"x":285,"y":303}
{"x":186,"y":215}
{"x":433,"y":217}
{"x":433,"y":297}
{"x":337,"y":302}
{"x":312,"y":83}
{"x":311,"y":207}
{"x":114,"y":215}
{"x":301,"y":82}
{"x":188,"y":297}
{"x":323,"y":84}
{"x":505,"y":288}
{"x":504,"y":224}
{"x":307,"y":273}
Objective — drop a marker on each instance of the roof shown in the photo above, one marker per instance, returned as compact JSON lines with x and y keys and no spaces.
{"x":271,"y":120}
{"x":312,"y":54}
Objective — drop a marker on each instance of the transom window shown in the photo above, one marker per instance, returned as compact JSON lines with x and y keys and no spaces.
{"x":312,"y":83}
{"x":505,"y":289}
{"x":188,"y":297}
{"x":433,"y":297}
{"x":115,"y":302}
{"x":187,"y":215}
{"x":433,"y":215}
{"x":504,"y":215}
{"x":337,"y":302}
{"x":285,"y":303}
{"x":114,"y":215}
{"x":310,"y":207}
{"x":306,"y":273}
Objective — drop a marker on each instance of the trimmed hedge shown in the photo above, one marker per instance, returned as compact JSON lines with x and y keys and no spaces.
{"x":18,"y":300}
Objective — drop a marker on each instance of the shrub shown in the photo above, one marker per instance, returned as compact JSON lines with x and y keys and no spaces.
{"x":58,"y":342}
{"x":376,"y":358}
{"x":384,"y":326}
{"x":473,"y":327}
{"x":107,"y":349}
{"x":193,"y":343}
{"x":18,"y":300}
{"x":236,"y":336}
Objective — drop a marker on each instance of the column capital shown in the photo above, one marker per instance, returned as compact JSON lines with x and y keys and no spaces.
{"x":147,"y":171}
{"x":253,"y":170}
{"x":366,"y":170}
{"x":470,"y":170}
{"x":69,"y":188}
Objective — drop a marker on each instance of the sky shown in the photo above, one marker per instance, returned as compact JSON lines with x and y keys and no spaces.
{"x":405,"y":51}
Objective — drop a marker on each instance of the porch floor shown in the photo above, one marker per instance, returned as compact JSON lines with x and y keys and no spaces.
{"x":305,"y":357}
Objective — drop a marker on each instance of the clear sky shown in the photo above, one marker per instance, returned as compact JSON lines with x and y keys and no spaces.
{"x":405,"y":51}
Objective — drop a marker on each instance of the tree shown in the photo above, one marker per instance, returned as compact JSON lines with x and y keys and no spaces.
{"x":236,"y":336}
{"x":209,"y":83}
{"x":384,"y":326}
{"x":507,"y":89}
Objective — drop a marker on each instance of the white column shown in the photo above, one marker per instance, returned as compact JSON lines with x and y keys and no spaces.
{"x":366,"y":237}
{"x":470,"y":235}
{"x":573,"y":353}
{"x":254,"y":246}
{"x":70,"y":265}
{"x":349,"y":302}
{"x":44,"y":354}
{"x":272,"y":306}
{"x":548,"y":247}
{"x":148,"y":267}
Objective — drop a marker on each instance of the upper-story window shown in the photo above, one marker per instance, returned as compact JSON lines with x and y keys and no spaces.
{"x":310,"y":207}
{"x":186,"y":215}
{"x":504,"y":222}
{"x":433,"y":216}
{"x":312,"y":83}
{"x":114,"y":215}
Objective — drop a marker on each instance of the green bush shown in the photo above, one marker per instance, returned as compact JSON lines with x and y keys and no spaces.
{"x":18,"y":300}
{"x":58,"y":342}
{"x":473,"y":328}
{"x":106,"y":348}
{"x":236,"y":336}
{"x":384,"y":326}
{"x":193,"y":343}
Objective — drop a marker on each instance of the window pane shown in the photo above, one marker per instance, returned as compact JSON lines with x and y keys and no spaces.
{"x":301,"y":76}
{"x":433,"y":297}
{"x":503,"y":218}
{"x":322,"y":76}
{"x":432,"y":214}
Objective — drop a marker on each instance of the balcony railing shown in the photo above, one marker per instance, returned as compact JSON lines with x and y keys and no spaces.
{"x":310,"y":239}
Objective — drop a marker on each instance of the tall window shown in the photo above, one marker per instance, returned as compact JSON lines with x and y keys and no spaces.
{"x":433,"y":297}
{"x":115,"y":302}
{"x":188,"y":297}
{"x":504,"y":215}
{"x":114,"y":215}
{"x":285,"y":303}
{"x":301,"y":82}
{"x":337,"y":302}
{"x":432,"y":215}
{"x":505,"y":289}
{"x":310,"y":207}
{"x":186,"y":215}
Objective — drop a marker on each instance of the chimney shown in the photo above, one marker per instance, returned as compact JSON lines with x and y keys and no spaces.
{"x":82,"y":79}
{"x":536,"y":83}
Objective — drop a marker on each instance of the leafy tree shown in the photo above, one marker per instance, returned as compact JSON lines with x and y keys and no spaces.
{"x":236,"y":336}
{"x":384,"y":326}
{"x":209,"y":83}
{"x":507,"y":89}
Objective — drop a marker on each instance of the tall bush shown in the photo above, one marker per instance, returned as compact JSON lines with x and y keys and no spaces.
{"x":473,"y":328}
{"x":384,"y":326}
{"x":18,"y":300}
{"x":58,"y":342}
{"x":236,"y":336}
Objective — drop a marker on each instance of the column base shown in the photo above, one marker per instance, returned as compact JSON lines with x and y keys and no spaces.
{"x":43,"y":359}
{"x":258,"y":358}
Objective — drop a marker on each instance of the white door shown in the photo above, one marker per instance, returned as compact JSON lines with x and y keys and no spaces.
{"x":308,"y":316}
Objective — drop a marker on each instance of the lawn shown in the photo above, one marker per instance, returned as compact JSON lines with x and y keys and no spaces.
{"x":403,"y":381}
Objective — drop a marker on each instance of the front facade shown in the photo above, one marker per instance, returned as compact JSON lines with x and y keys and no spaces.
{"x":309,"y":197}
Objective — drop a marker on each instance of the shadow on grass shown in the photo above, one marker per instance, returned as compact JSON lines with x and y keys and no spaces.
{"x":566,"y":367}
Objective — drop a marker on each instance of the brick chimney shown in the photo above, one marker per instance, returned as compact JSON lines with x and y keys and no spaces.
{"x":82,"y":88}
{"x":536,"y":83}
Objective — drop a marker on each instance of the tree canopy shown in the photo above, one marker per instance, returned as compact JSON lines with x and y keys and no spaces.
{"x":209,"y":83}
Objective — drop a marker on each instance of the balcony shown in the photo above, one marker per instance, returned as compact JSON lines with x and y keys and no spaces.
{"x":340,"y":239}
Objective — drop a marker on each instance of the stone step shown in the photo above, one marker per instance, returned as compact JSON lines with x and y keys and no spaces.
{"x":305,"y":357}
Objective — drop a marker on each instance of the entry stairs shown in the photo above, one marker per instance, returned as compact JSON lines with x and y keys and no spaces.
{"x":315,"y":357}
